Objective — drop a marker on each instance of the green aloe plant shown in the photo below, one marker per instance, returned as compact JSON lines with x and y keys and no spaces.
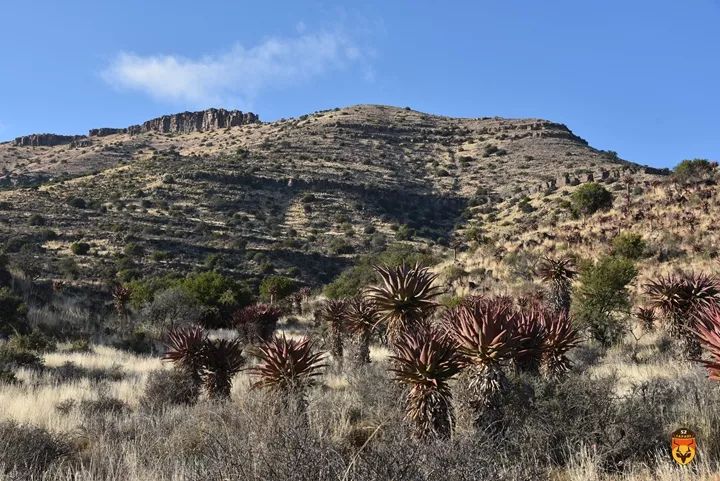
{"x":405,"y":298}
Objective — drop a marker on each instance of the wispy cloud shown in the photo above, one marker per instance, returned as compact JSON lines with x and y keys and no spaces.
{"x":236,"y":76}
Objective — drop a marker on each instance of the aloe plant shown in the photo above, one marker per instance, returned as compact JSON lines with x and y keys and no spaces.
{"x":362,"y":318}
{"x":426,"y":363}
{"x":333,"y":313}
{"x":404,"y":299}
{"x":530,"y":333}
{"x":560,"y":336}
{"x":559,"y":274}
{"x":647,"y":317}
{"x":483,"y":333}
{"x":707,"y":331}
{"x":221,"y":359}
{"x":287,"y":367}
{"x":185,"y":348}
{"x":209,"y":363}
{"x":680,"y":298}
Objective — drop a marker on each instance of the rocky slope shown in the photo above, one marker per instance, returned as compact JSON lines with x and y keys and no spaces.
{"x":299,"y":196}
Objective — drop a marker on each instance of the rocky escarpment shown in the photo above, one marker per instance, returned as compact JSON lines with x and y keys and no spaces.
{"x":184,"y":122}
{"x":105,"y":131}
{"x":45,"y":140}
{"x":204,"y":120}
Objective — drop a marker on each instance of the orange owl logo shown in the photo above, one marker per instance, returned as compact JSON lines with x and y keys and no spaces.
{"x":683,"y":446}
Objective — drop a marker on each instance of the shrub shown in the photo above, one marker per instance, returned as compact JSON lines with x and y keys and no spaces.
{"x":172,"y":306}
{"x":693,"y":171}
{"x":601,"y":303}
{"x":340,"y":246}
{"x":133,"y":250}
{"x":80,"y":248}
{"x":275,"y":288}
{"x":629,"y":245}
{"x":591,"y":197}
{"x":256,"y":322}
{"x":77,"y":202}
{"x":102,"y":405}
{"x":168,"y":387}
{"x":12,"y":313}
{"x":36,"y":341}
{"x":350,"y":281}
{"x":69,"y":371}
{"x":36,"y":220}
{"x":28,"y":449}
{"x":11,"y":358}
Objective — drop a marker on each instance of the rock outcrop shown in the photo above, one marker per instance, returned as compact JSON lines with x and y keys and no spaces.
{"x":204,"y":120}
{"x":102,"y":132}
{"x":184,"y":122}
{"x":46,"y":140}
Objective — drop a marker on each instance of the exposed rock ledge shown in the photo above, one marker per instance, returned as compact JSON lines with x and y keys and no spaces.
{"x":46,"y":140}
{"x":183,"y":122}
{"x":186,"y":122}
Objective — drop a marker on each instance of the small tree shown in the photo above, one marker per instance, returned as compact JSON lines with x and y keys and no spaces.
{"x":629,"y":245}
{"x":80,"y":248}
{"x":693,"y":171}
{"x":275,"y":288}
{"x":590,"y":198}
{"x":602,"y":302}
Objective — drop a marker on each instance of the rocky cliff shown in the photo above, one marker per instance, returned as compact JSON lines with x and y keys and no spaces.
{"x":204,"y":120}
{"x":184,"y":122}
{"x":46,"y":140}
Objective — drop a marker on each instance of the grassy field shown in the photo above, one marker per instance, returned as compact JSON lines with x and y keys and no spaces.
{"x":96,"y":424}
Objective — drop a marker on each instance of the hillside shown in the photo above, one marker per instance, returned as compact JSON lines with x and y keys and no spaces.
{"x":299,"y":196}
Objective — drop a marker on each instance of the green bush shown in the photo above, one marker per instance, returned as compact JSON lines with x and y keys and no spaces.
{"x":12,"y":358}
{"x":362,"y":274}
{"x":36,"y":341}
{"x":340,"y":246}
{"x":629,"y":245}
{"x":591,"y":197}
{"x":276,"y":287}
{"x":217,"y":294}
{"x":693,"y":171}
{"x":601,"y":303}
{"x":80,"y":248}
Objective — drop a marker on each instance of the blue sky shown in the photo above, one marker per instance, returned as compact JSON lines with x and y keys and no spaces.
{"x":635,"y":76}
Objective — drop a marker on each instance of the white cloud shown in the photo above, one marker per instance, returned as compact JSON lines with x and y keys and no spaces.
{"x":237,"y":75}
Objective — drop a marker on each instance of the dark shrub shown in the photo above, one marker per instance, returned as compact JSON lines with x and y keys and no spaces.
{"x":36,"y":341}
{"x":80,"y":248}
{"x":12,"y":314}
{"x":28,"y":449}
{"x":77,"y":202}
{"x":70,"y":371}
{"x":102,"y":405}
{"x":169,"y":387}
{"x":256,"y":322}
{"x":11,"y":357}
